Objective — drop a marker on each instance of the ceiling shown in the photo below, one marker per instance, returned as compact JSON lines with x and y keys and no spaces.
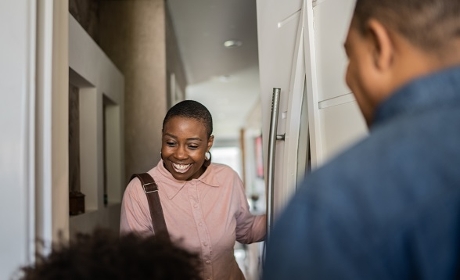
{"x":226,"y":80}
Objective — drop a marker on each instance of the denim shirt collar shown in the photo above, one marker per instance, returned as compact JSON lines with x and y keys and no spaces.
{"x":434,"y":90}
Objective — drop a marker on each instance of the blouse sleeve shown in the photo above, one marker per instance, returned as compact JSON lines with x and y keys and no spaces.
{"x":249,"y":228}
{"x":135,"y":214}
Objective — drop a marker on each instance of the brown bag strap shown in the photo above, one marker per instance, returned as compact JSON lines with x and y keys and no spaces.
{"x":156,"y":212}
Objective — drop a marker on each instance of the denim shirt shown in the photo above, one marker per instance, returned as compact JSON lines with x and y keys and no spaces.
{"x":387,"y":208}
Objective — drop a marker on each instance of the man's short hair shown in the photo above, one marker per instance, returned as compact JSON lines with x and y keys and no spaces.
{"x":106,"y":255}
{"x":427,"y":24}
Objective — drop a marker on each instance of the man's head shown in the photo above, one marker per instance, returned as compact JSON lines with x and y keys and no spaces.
{"x":391,"y":42}
{"x":106,"y":255}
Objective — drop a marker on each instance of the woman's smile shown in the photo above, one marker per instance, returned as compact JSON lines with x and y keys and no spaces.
{"x":181,"y":168}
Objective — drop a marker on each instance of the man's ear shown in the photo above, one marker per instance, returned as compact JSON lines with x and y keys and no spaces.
{"x":381,"y":44}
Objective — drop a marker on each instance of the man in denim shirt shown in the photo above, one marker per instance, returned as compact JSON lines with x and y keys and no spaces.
{"x":389,"y":207}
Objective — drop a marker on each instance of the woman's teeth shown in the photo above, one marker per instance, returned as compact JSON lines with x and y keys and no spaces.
{"x":181,"y":168}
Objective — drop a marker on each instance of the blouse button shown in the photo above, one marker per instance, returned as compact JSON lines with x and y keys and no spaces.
{"x":196,"y":205}
{"x":208,"y":262}
{"x":205,"y":243}
{"x":200,"y":224}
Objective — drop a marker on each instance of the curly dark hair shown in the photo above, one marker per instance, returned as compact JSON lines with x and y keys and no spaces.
{"x":428,"y":24}
{"x":106,"y":255}
{"x":191,"y":109}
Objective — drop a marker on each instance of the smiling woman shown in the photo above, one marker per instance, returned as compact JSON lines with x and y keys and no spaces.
{"x":186,"y":139}
{"x":184,"y":148}
{"x":204,"y":204}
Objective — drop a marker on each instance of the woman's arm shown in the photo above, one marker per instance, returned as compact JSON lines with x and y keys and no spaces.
{"x":249,"y":228}
{"x":135,"y":215}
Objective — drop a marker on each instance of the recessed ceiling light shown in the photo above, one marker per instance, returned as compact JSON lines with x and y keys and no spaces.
{"x":232,"y":43}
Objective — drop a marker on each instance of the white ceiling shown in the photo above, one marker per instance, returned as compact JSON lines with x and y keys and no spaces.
{"x":226,"y":80}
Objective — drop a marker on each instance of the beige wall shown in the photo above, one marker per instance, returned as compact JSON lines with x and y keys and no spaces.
{"x":132,"y":34}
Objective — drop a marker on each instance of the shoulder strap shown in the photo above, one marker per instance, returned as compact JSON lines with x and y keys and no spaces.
{"x":156,"y":212}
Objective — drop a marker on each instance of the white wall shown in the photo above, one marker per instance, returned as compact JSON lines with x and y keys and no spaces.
{"x":34,"y":72}
{"x":17,"y":69}
{"x":51,"y":122}
{"x":33,"y":122}
{"x":96,"y":76}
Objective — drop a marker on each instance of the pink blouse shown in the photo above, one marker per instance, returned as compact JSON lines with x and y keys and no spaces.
{"x":206,"y":215}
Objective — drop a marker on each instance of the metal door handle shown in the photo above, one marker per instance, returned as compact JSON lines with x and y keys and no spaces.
{"x":273,"y":136}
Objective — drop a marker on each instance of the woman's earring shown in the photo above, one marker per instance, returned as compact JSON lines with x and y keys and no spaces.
{"x":207,"y":159}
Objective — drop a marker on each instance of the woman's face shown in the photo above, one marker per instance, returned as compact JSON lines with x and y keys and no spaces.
{"x":184,"y":145}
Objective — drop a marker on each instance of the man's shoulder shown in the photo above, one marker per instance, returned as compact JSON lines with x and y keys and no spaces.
{"x":390,"y":147}
{"x":398,"y":165}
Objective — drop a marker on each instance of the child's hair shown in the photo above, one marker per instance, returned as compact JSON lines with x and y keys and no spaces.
{"x":107,"y":255}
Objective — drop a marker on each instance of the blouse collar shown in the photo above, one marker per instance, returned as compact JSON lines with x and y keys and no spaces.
{"x":174,"y":186}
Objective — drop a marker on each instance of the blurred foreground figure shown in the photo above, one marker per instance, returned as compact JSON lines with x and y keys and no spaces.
{"x":105,"y":255}
{"x":388,"y":207}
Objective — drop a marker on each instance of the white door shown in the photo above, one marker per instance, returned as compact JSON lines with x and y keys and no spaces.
{"x":279,"y":30}
{"x":301,"y":53}
{"x":335,"y":119}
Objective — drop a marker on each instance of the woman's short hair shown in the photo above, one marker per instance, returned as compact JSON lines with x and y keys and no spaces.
{"x":191,"y":109}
